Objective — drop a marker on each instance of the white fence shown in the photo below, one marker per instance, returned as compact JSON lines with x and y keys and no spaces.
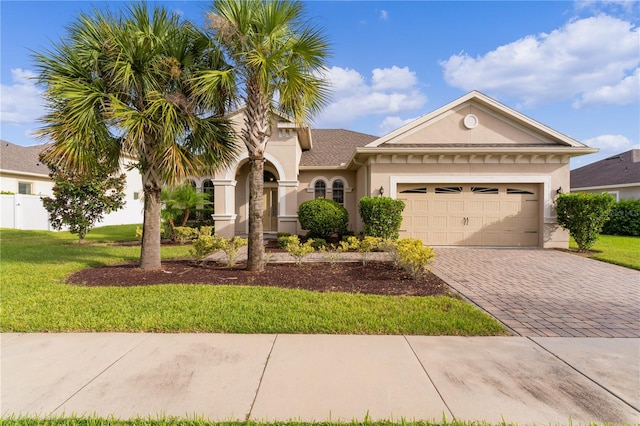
{"x":20,"y":211}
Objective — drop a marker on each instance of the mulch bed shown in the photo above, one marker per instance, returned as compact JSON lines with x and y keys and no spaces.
{"x":374,"y":278}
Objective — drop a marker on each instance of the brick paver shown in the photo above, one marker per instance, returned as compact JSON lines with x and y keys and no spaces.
{"x":545,"y":292}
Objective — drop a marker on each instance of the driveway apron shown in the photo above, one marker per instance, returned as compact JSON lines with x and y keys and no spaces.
{"x":545,"y":293}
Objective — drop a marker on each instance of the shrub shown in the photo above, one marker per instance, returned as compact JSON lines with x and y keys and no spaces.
{"x":583,"y":215}
{"x":624,"y":219}
{"x":364,"y":246}
{"x":231,"y":247}
{"x":381,"y":216}
{"x":319,"y":243}
{"x":205,"y":244}
{"x":283,"y":239}
{"x":185,"y":234}
{"x":413,"y":256}
{"x":298,"y":250}
{"x":323,"y":217}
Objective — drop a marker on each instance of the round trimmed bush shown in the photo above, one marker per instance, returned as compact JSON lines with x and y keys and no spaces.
{"x":323,"y":217}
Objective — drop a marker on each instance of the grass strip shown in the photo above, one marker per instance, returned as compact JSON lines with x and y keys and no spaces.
{"x":616,"y":249}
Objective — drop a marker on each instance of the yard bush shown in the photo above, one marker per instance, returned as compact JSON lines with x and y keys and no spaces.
{"x":297,"y":250}
{"x":323,"y":218}
{"x":381,"y":216}
{"x":185,"y":234}
{"x":364,"y":246}
{"x":624,"y":219}
{"x":205,"y":244}
{"x":583,"y":215}
{"x":413,"y":256}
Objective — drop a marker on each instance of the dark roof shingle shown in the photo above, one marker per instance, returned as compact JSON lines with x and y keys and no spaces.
{"x":22,"y":158}
{"x":619,"y":169}
{"x":333,"y":147}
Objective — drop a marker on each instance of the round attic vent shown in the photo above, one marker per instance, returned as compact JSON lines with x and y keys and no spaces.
{"x":470,"y":121}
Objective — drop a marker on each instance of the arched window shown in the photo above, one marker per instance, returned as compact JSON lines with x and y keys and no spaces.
{"x":269,"y":177}
{"x":320,"y":189}
{"x":338,"y":191}
{"x":207,"y":188}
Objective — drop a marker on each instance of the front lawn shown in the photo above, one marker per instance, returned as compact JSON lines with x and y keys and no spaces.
{"x":34,"y":265}
{"x":619,"y":250}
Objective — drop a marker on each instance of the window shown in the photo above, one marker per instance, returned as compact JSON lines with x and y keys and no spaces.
{"x":207,"y":188}
{"x":448,"y":190}
{"x":269,"y":177}
{"x":338,"y":191}
{"x":320,"y":189}
{"x":483,"y":190}
{"x":136,"y":195}
{"x":421,"y":190}
{"x":24,"y":188}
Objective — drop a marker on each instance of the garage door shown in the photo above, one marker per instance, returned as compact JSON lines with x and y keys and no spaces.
{"x":471,"y":214}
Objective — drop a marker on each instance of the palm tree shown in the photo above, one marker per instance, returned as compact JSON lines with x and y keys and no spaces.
{"x":120,"y":87}
{"x":178,"y":201}
{"x":277,"y":60}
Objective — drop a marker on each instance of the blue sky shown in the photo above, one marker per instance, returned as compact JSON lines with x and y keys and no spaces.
{"x":573,"y":66}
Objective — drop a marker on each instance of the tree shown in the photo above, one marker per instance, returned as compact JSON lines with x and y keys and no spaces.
{"x":179,"y":201}
{"x":583,"y":215}
{"x":120,"y":87}
{"x":81,"y":200}
{"x":276,"y":63}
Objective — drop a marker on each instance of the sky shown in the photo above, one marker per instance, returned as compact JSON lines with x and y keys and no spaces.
{"x":572,"y":65}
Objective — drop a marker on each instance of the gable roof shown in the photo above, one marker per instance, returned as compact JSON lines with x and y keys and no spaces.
{"x":24,"y":159}
{"x":537,"y":134}
{"x":333,"y":147}
{"x":620,"y":169}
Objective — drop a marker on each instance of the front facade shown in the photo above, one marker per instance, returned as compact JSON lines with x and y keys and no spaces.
{"x":473,"y":172}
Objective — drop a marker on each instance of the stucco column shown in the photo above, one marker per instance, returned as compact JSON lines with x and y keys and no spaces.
{"x":224,"y":215}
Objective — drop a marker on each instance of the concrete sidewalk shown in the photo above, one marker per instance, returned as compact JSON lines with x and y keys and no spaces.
{"x":322,"y":377}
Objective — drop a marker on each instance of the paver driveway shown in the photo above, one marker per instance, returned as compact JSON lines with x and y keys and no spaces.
{"x":545,"y":292}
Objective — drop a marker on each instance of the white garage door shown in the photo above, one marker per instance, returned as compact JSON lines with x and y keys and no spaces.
{"x":471,"y":214}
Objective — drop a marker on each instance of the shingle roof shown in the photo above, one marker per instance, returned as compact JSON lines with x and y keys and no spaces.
{"x":616,"y":170}
{"x":333,"y":147}
{"x":22,"y":158}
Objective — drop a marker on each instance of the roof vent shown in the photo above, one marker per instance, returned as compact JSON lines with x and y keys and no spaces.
{"x":470,"y":121}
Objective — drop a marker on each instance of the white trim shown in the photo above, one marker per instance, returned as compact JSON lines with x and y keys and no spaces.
{"x":589,"y":188}
{"x":231,"y":217}
{"x":231,"y":171}
{"x":289,"y":183}
{"x":545,"y":180}
{"x":224,"y":182}
{"x":19,"y":173}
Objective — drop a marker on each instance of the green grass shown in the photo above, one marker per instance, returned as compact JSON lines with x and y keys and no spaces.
{"x":34,"y":265}
{"x":619,"y":250}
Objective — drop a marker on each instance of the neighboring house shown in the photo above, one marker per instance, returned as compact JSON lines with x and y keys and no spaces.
{"x":22,"y":174}
{"x":474,"y":172}
{"x":618,"y":175}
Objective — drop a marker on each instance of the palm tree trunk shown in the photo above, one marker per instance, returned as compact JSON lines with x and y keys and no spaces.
{"x":256,"y":244}
{"x":150,"y":250}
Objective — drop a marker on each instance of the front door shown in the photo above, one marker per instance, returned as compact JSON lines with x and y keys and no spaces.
{"x":270,"y":210}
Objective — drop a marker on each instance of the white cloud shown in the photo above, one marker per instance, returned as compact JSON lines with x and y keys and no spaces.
{"x":389,"y":91}
{"x":623,"y":93}
{"x":389,"y":124}
{"x":384,"y":15}
{"x":393,"y":78}
{"x":580,"y":59}
{"x":617,"y":143}
{"x":21,"y":102}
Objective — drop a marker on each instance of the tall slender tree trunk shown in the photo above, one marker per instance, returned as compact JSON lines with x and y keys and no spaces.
{"x":150,"y":250}
{"x":255,"y":257}
{"x":256,"y":134}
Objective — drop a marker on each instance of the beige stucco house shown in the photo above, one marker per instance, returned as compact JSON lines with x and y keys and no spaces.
{"x":474,"y":172}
